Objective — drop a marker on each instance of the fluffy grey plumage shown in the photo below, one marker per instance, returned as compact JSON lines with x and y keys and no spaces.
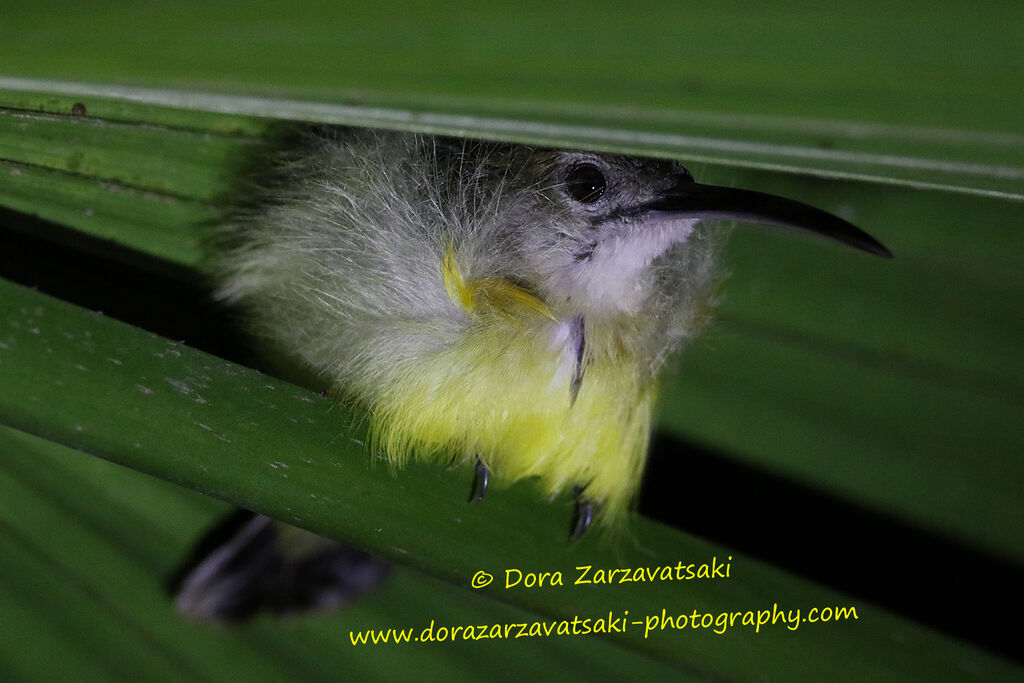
{"x":484,"y":301}
{"x":341,"y":263}
{"x":492,"y":301}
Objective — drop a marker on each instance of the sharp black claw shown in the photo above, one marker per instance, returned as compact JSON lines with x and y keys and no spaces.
{"x":581,"y":521}
{"x":480,"y":479}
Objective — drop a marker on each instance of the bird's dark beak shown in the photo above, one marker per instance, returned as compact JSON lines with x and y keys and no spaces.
{"x":694,"y":200}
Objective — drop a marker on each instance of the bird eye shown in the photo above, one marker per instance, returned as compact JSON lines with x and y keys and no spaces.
{"x":585,"y":183}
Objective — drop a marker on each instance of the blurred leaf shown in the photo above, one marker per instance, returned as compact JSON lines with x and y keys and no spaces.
{"x":949,"y":160}
{"x":274,"y":448}
{"x":95,"y":596}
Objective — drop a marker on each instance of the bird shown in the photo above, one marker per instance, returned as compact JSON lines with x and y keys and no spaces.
{"x":502,"y":305}
{"x":493,"y":303}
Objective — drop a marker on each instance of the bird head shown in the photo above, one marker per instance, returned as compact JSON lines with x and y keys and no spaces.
{"x":595,"y":230}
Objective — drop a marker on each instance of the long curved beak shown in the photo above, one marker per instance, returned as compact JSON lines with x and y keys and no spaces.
{"x":694,"y":200}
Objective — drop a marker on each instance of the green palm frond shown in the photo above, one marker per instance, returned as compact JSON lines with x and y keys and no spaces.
{"x":890,"y":387}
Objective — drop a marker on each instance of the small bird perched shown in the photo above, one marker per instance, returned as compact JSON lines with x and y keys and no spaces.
{"x":492,"y":303}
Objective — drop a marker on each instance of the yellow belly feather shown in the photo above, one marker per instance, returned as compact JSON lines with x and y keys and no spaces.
{"x":501,"y":394}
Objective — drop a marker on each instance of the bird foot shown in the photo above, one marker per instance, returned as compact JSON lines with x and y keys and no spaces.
{"x":584,"y":515}
{"x":480,"y":480}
